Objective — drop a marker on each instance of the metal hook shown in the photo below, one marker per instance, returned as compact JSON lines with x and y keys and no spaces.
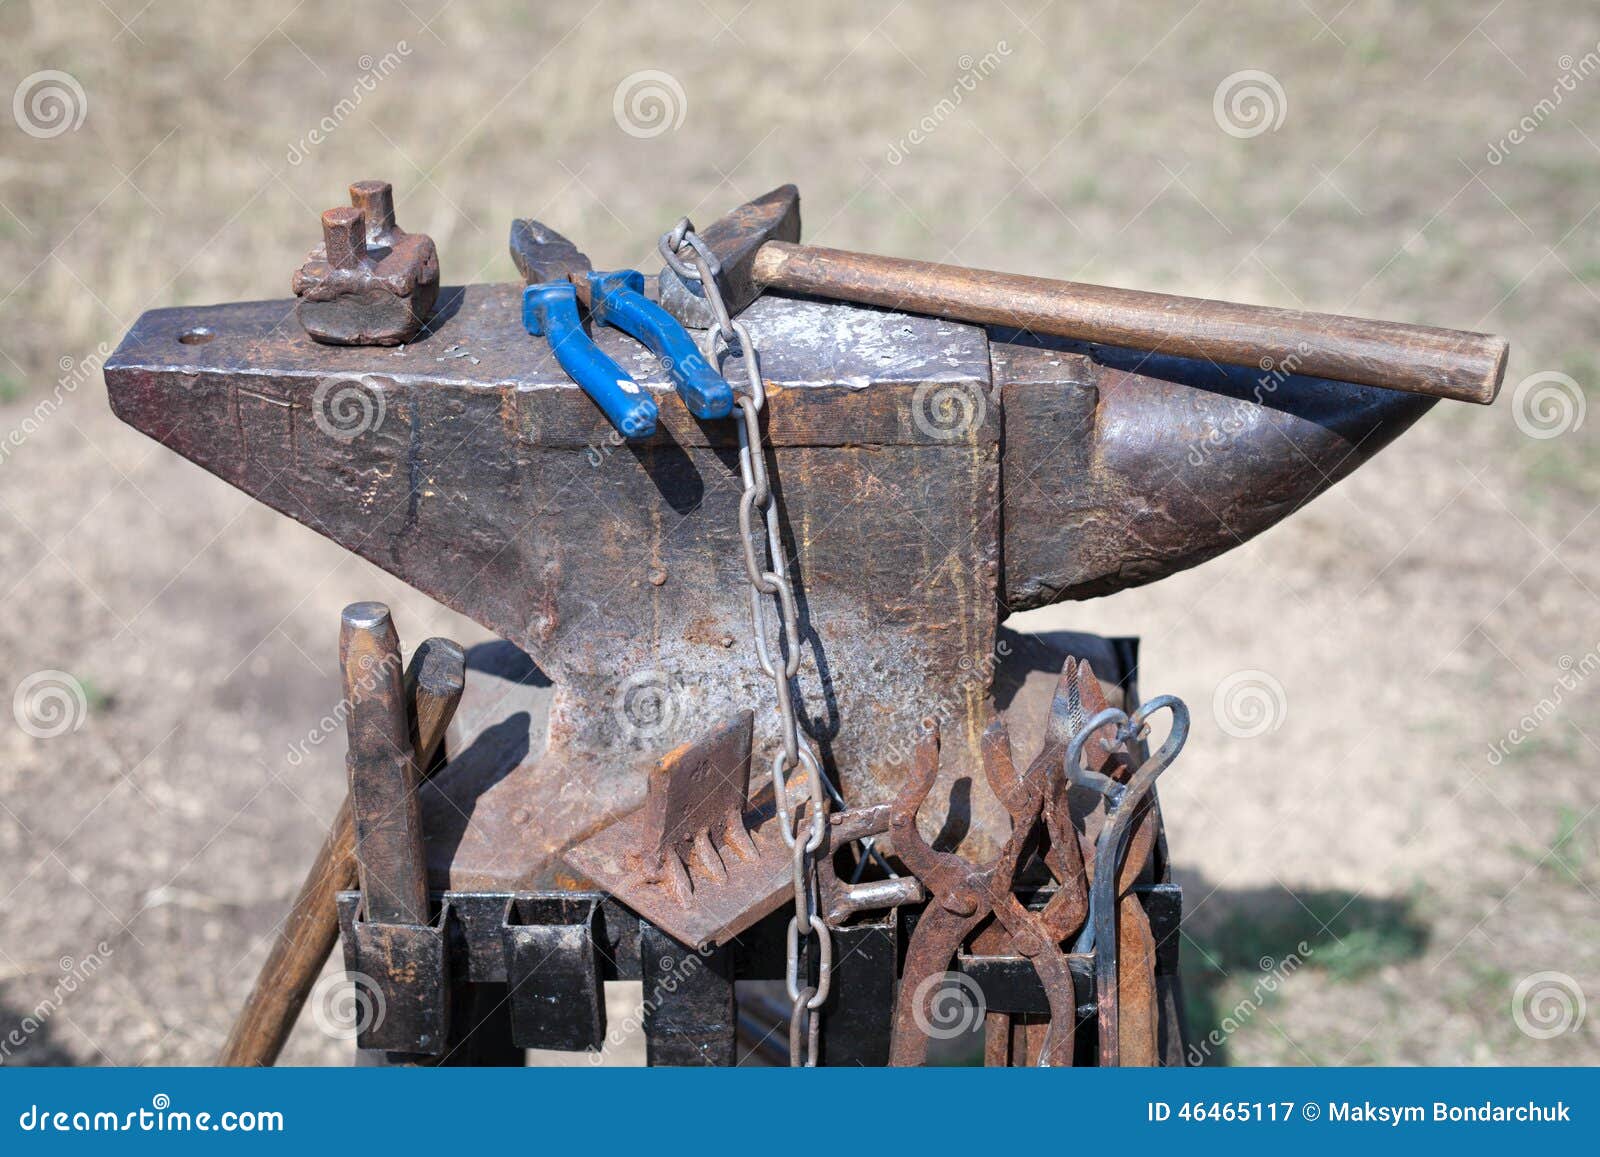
{"x":1100,"y":931}
{"x":1085,"y":777}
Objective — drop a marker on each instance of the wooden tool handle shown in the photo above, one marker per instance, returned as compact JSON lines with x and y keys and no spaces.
{"x":304,"y":940}
{"x":1442,"y":363}
{"x":434,"y":683}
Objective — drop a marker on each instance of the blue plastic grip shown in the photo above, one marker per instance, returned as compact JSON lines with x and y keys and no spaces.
{"x":551,"y":310}
{"x":618,"y":300}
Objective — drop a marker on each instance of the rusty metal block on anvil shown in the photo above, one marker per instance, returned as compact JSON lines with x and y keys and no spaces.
{"x":369,"y":282}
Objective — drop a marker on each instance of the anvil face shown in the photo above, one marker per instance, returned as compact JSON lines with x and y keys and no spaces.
{"x":468,"y":465}
{"x":491,"y":483}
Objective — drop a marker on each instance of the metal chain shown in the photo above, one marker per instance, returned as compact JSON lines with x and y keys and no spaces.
{"x":691,"y":259}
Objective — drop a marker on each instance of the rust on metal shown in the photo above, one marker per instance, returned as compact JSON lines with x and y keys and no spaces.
{"x":696,"y":860}
{"x":757,"y":246}
{"x":964,"y":894}
{"x":735,"y":239}
{"x":382,"y":769}
{"x":841,"y":900}
{"x":541,"y":254}
{"x":369,"y":282}
{"x":1136,"y":996}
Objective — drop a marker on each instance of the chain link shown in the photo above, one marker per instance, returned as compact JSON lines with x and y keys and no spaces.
{"x":691,"y":259}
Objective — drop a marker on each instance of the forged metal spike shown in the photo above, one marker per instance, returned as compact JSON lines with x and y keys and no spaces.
{"x":665,"y":861}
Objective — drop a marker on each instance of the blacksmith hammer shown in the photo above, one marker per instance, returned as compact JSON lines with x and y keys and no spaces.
{"x":756,"y":246}
{"x":560,"y":279}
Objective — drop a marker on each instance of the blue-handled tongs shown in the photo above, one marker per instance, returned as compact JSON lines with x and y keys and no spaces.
{"x":560,"y":279}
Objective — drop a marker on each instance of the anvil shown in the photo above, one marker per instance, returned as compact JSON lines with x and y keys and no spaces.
{"x":932,"y":477}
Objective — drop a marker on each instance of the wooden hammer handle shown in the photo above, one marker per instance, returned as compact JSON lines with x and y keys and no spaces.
{"x":1441,"y":363}
{"x":434,"y":683}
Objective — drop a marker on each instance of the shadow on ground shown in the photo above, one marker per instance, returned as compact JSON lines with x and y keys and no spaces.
{"x":28,"y":1040}
{"x":1244,"y":948}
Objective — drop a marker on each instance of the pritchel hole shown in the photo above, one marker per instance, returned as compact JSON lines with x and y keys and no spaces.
{"x":199,"y":335}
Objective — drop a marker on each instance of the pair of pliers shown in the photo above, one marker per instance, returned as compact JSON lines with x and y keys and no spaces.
{"x":559,"y":279}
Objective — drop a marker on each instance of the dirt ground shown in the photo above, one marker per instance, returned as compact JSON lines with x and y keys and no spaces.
{"x":1385,"y":819}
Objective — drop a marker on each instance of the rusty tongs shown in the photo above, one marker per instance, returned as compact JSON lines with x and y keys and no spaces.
{"x":964,"y":894}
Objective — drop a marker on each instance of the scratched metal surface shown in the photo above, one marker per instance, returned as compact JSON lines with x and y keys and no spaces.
{"x":491,"y":484}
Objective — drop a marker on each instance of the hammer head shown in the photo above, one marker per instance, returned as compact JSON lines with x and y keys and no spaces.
{"x":734,"y":239}
{"x":543,"y":255}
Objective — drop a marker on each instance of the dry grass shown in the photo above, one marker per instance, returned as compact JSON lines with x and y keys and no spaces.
{"x":1411,"y":616}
